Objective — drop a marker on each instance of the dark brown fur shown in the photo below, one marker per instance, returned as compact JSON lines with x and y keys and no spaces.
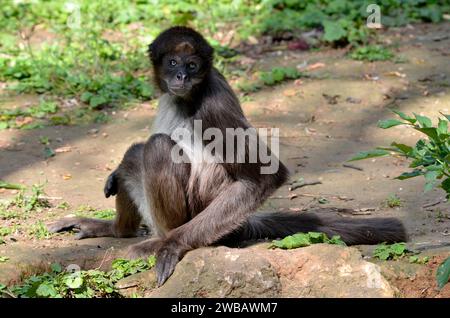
{"x":189,"y":206}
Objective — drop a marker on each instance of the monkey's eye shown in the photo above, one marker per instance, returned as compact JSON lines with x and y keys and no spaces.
{"x":192,"y":66}
{"x":173,"y":62}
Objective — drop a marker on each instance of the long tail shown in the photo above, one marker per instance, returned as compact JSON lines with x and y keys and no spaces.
{"x":352,"y":231}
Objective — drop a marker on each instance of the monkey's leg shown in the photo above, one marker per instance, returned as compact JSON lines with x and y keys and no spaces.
{"x":165,"y":187}
{"x":127,"y":221}
{"x":125,"y":224}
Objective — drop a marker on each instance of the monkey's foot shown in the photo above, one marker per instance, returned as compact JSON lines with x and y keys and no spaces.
{"x":168,"y":254}
{"x":111,"y":185}
{"x":83,"y":227}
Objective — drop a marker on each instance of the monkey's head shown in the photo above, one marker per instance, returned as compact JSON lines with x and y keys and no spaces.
{"x":181,"y":59}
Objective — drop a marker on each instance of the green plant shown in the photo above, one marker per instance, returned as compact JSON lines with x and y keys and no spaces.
{"x":371,"y":53}
{"x":39,"y":231}
{"x":430,"y":157}
{"x":279,"y":74}
{"x":9,"y":118}
{"x":414,"y":259}
{"x":81,"y":284}
{"x":393,"y":201}
{"x":392,"y":251}
{"x":305,"y":239}
{"x":33,"y":202}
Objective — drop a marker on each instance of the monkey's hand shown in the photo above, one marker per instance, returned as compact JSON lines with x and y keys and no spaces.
{"x":111,"y":185}
{"x":168,"y":254}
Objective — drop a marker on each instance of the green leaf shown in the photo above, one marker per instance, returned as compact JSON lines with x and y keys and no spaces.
{"x":86,"y":96}
{"x":430,"y":132}
{"x":443,"y":273}
{"x":74,"y":282}
{"x":407,"y":175}
{"x":389,"y":123}
{"x":403,"y":148}
{"x":446,"y":185}
{"x":56,"y":268}
{"x":97,"y":101}
{"x":3,"y":125}
{"x":317,"y":237}
{"x":46,"y":290}
{"x":404,"y":116}
{"x":442,"y":127}
{"x":11,"y":186}
{"x":336,"y":239}
{"x":333,"y":31}
{"x":370,"y":154}
{"x":398,"y":248}
{"x":423,"y":121}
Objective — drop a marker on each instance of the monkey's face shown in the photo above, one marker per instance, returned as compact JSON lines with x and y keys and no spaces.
{"x":181,"y":72}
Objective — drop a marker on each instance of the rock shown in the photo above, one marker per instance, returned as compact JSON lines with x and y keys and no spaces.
{"x":325,"y":270}
{"x":221,"y":272}
{"x":320,"y":270}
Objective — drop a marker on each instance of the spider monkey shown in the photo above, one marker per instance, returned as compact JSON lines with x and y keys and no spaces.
{"x":191,"y":204}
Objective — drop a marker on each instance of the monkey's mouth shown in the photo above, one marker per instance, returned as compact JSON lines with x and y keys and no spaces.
{"x":181,"y":91}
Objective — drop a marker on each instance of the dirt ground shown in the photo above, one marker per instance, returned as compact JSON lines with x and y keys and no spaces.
{"x":317,"y":138}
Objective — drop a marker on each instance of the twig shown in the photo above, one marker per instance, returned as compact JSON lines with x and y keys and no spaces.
{"x":431,"y":204}
{"x":104,"y":257}
{"x":346,"y":165}
{"x":290,"y":197}
{"x":303,"y":184}
{"x":44,"y":197}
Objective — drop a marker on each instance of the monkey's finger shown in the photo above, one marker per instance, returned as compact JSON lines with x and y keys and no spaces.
{"x":165,"y":265}
{"x":62,"y":225}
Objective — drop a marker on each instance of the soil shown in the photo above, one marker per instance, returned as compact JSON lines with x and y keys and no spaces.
{"x":316,"y":139}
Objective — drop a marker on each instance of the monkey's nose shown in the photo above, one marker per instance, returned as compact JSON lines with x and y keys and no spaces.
{"x":181,"y":76}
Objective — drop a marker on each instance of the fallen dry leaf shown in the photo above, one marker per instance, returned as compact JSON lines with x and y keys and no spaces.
{"x":63,"y":149}
{"x":315,"y":66}
{"x":398,"y":74}
{"x":67,"y":176}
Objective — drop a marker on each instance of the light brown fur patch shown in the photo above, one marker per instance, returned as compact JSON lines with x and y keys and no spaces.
{"x":185,"y":47}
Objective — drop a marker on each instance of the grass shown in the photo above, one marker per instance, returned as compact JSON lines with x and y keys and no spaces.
{"x":393,"y":201}
{"x":39,"y":231}
{"x":88,"y":211}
